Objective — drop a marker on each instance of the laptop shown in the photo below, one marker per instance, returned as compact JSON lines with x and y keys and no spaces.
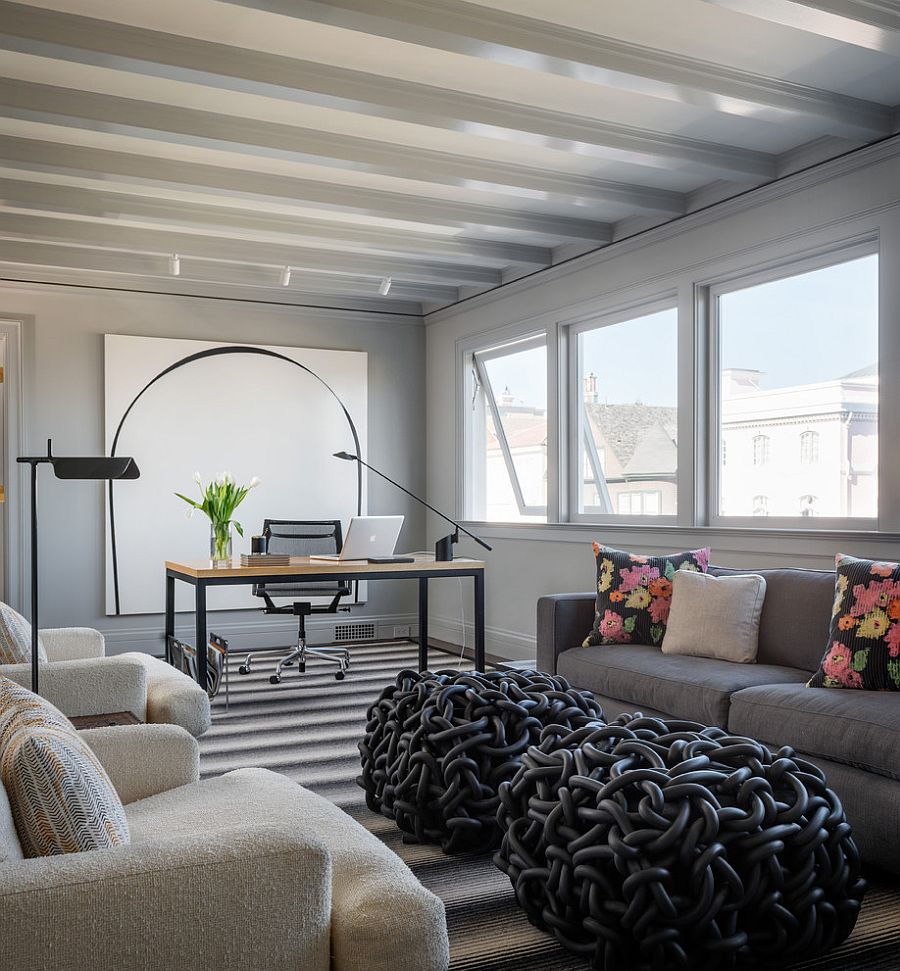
{"x":368,"y":537}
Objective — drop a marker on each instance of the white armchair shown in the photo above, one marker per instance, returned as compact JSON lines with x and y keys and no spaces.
{"x":80,"y":680}
{"x":244,"y":871}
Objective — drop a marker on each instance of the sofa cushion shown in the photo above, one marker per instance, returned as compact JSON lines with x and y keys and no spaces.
{"x":683,"y":687}
{"x":856,"y":728}
{"x":383,"y":919}
{"x":793,"y":628}
{"x":634,"y":594}
{"x":863,"y":647}
{"x":15,"y":638}
{"x":715,"y":617}
{"x":10,"y":847}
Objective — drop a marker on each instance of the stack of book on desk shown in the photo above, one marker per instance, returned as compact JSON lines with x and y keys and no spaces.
{"x":265,"y":559}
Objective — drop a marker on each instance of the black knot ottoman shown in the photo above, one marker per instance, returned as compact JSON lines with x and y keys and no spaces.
{"x":438,"y":745}
{"x":656,"y":845}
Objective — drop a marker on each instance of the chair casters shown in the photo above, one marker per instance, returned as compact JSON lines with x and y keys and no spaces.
{"x":244,"y":669}
{"x":302,"y":668}
{"x":275,"y":679}
{"x":338,"y":675}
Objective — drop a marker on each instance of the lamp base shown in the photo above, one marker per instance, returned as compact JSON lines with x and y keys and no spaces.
{"x":443,"y":548}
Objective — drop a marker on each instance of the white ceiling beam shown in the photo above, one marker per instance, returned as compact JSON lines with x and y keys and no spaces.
{"x":178,"y":214}
{"x":30,"y":100}
{"x":58,"y":156}
{"x":479,"y":31}
{"x":872,"y":24}
{"x":80,"y":39}
{"x":143,"y":238}
{"x":150,"y":265}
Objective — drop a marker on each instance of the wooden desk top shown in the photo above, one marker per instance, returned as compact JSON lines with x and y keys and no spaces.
{"x":304,"y":565}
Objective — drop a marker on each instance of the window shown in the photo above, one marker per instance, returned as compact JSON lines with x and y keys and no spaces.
{"x":508,"y":458}
{"x":791,"y":351}
{"x":625,"y":420}
{"x":760,"y":450}
{"x":809,"y":447}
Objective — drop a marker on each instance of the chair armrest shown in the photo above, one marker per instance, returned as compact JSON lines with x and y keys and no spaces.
{"x":72,"y":643}
{"x":90,"y":686}
{"x":260,"y":898}
{"x":143,"y":760}
{"x":563,"y":621}
{"x":172,"y":697}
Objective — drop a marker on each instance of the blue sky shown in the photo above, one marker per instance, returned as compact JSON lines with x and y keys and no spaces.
{"x":813,"y":327}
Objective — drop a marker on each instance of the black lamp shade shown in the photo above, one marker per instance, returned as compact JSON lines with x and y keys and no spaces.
{"x":95,"y":467}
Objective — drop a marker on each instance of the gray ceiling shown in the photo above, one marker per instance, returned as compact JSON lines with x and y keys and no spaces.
{"x":450,"y":145}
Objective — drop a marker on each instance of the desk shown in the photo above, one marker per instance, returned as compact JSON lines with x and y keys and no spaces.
{"x":201,"y":575}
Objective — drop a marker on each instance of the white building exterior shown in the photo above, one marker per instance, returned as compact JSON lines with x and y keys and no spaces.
{"x":807,"y":450}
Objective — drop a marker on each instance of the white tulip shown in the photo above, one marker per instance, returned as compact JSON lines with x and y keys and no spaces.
{"x":197,"y":479}
{"x":220,"y":479}
{"x":254,"y":482}
{"x":228,"y":477}
{"x":189,"y":512}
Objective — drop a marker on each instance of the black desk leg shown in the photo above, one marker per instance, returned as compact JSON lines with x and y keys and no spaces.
{"x":479,"y":620}
{"x":423,"y":623}
{"x":170,"y":615}
{"x":200,"y":636}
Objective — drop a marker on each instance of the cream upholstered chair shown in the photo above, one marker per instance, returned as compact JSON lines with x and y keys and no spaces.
{"x":245,"y":871}
{"x":80,"y":680}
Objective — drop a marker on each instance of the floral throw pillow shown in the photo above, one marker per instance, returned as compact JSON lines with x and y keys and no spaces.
{"x":864,"y":639}
{"x":634,"y":594}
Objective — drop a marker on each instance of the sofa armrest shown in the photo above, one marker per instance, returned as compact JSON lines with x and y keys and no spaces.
{"x":91,"y":686}
{"x":260,"y":898}
{"x":563,"y":621}
{"x":172,"y":697}
{"x":143,"y":760}
{"x":72,"y":643}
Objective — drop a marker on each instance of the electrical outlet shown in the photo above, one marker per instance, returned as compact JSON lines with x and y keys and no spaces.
{"x":401,"y":630}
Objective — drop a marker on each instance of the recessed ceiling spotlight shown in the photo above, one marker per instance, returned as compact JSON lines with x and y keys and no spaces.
{"x":384,"y":288}
{"x":175,"y":265}
{"x":286,"y":276}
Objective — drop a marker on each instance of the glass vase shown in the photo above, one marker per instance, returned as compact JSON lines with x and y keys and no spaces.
{"x":220,"y":544}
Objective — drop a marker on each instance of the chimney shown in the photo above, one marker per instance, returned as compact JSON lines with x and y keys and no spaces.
{"x":590,"y":389}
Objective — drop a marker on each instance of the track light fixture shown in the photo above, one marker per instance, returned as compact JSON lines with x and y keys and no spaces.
{"x":175,"y":265}
{"x":384,"y":288}
{"x":286,"y":276}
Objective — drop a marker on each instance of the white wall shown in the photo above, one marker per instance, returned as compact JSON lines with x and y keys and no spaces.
{"x":840,"y":202}
{"x":63,"y":330}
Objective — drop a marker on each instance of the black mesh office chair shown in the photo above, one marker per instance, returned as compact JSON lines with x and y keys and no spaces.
{"x":303,"y":538}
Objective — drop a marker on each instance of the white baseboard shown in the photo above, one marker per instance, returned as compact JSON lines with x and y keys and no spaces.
{"x":506,"y":644}
{"x":256,"y":633}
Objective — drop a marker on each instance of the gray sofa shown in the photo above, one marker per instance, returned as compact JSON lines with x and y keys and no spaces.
{"x":854,"y":736}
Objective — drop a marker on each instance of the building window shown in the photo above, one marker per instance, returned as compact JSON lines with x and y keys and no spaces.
{"x":809,"y":447}
{"x":507,"y":475}
{"x":773,"y":382}
{"x":760,"y":450}
{"x":625,"y":424}
{"x":760,"y":505}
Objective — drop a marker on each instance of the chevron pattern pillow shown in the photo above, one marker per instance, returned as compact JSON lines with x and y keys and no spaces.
{"x":60,"y":797}
{"x":15,"y":638}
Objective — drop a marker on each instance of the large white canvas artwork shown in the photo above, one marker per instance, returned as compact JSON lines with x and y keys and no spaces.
{"x":243,"y":413}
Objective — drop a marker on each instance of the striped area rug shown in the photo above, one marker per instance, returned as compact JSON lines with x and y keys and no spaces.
{"x":307,"y":728}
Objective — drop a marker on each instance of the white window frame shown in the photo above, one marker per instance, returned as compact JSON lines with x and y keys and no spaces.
{"x":576,"y":431}
{"x":475,"y":377}
{"x":784,"y":269}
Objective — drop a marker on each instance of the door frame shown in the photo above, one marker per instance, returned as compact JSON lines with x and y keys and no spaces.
{"x":12,"y":437}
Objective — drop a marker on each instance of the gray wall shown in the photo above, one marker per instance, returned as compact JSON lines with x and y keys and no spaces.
{"x":851,"y":199}
{"x":63,"y":330}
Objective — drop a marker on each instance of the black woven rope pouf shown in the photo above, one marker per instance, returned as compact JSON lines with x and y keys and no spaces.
{"x":438,"y":745}
{"x":653,"y":845}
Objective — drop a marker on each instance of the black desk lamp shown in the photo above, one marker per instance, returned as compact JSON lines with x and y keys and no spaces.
{"x":443,"y":548}
{"x":81,"y":467}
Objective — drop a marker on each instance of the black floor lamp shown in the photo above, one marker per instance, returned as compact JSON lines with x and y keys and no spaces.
{"x":72,"y":467}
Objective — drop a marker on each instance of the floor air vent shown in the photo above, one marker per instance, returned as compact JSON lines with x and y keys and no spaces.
{"x":354,"y":632}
